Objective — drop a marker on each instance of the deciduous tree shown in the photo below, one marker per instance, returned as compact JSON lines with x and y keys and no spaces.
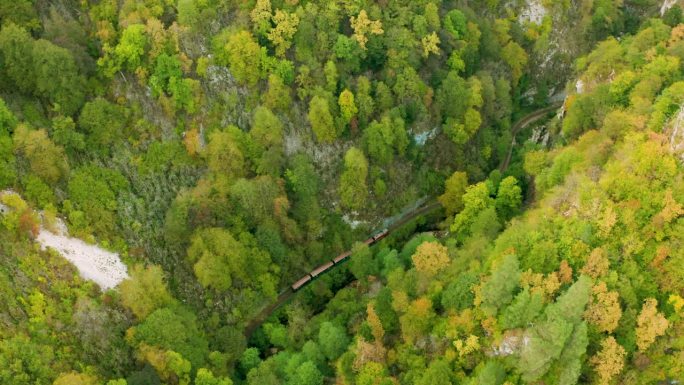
{"x":609,"y":361}
{"x":353,"y":181}
{"x":321,"y":120}
{"x":145,"y":290}
{"x":454,"y":188}
{"x":430,"y":258}
{"x":364,"y":26}
{"x":650,"y":324}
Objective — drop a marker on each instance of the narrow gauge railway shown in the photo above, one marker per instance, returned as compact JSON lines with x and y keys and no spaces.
{"x":310,"y":276}
{"x":284,"y":296}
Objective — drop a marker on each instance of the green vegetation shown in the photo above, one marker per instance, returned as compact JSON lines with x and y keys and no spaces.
{"x":224,"y":149}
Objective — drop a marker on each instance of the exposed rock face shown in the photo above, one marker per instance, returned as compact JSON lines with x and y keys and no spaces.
{"x":513,"y":341}
{"x":533,"y":13}
{"x":675,"y":131}
{"x":667,"y":4}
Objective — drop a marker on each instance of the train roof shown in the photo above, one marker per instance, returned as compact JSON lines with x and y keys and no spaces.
{"x":320,"y":269}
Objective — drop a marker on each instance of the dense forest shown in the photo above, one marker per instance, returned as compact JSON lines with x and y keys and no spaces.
{"x":223,"y":149}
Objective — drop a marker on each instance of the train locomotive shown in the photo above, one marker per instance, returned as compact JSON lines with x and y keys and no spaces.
{"x":322,"y":269}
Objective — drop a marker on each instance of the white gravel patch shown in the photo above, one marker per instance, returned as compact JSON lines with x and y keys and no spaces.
{"x":93,"y":263}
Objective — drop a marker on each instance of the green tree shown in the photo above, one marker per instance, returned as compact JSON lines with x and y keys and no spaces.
{"x":64,"y":134}
{"x":8,"y":172}
{"x":348,"y":108}
{"x":41,"y":68}
{"x":498,"y":290}
{"x":250,"y":359}
{"x":516,"y":58}
{"x":94,"y":191}
{"x":16,"y":48}
{"x":508,"y":197}
{"x":103,"y":123}
{"x":221,"y":261}
{"x":523,"y":310}
{"x":437,"y":373}
{"x":145,"y":291}
{"x":321,"y":120}
{"x":277,"y":96}
{"x":56,"y":76}
{"x":167,"y":67}
{"x":225,"y":155}
{"x":21,"y":13}
{"x":332,"y":339}
{"x":476,"y":199}
{"x":455,"y":23}
{"x":361,"y":263}
{"x":353,"y":181}
{"x":128,"y":53}
{"x":206,"y":377}
{"x":558,"y":342}
{"x":244,"y":57}
{"x":75,"y":378}
{"x":307,"y":374}
{"x":385,"y":138}
{"x":267,"y":132}
{"x":45,"y":159}
{"x":24,"y":362}
{"x":454,"y":188}
{"x":172,"y":328}
{"x":458,"y":295}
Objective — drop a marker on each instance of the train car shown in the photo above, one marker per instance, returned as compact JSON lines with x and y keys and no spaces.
{"x":342,"y":257}
{"x":380,"y":235}
{"x":301,"y":282}
{"x":321,"y":269}
{"x":369,"y":241}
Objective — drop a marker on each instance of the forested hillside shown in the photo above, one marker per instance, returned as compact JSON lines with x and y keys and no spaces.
{"x":226,"y":148}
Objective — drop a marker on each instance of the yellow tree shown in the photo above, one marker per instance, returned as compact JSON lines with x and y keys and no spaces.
{"x":75,"y":378}
{"x":430,"y":44}
{"x":604,"y":309}
{"x":430,"y":258}
{"x":609,"y":361}
{"x":454,"y":188}
{"x":244,"y":57}
{"x":416,"y":320}
{"x":261,"y":16}
{"x":285,"y":28}
{"x":145,"y":291}
{"x":650,"y":324}
{"x":597,"y":264}
{"x":565,"y":272}
{"x":347,"y":105}
{"x":363,"y":26}
{"x":516,"y":58}
{"x":374,"y":321}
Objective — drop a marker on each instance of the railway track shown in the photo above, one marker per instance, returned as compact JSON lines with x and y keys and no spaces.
{"x":425,"y":208}
{"x":323,"y":269}
{"x":522,"y":123}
